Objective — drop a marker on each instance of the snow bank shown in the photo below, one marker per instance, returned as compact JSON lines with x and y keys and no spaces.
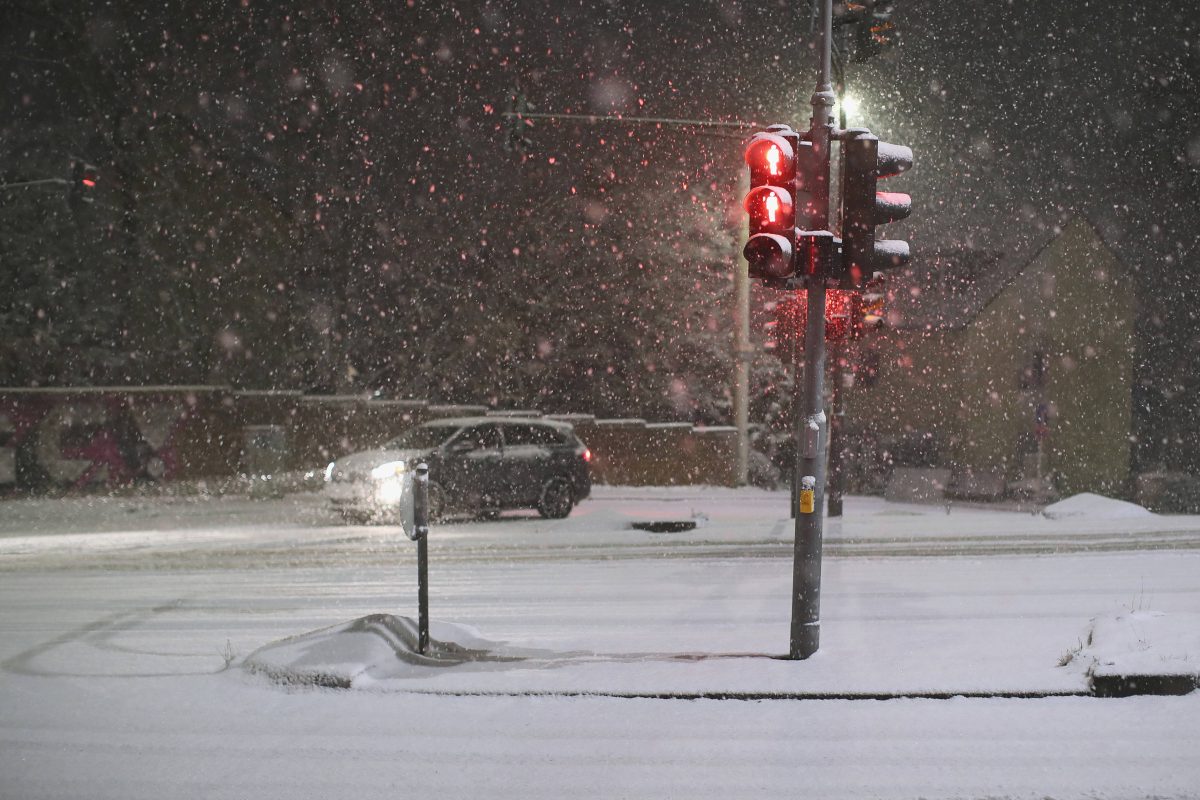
{"x":1094,"y":505}
{"x":1145,"y":643}
{"x":371,"y":648}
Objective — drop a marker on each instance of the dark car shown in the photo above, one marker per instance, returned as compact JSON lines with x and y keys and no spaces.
{"x":480,"y":465}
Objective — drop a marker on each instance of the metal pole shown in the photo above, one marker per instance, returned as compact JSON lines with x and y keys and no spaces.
{"x":837,"y":414}
{"x":593,"y":118}
{"x":838,"y":353}
{"x":797,"y":361}
{"x":421,"y":524}
{"x":810,"y":430}
{"x":40,"y":182}
{"x":741,"y":377}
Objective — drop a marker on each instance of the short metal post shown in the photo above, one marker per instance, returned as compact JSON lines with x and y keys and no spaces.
{"x":837,"y":420}
{"x":421,"y":523}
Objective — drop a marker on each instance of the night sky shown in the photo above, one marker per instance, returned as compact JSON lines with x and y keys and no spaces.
{"x":335,"y":175}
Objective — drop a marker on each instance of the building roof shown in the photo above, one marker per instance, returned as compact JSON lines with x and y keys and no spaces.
{"x":945,"y":290}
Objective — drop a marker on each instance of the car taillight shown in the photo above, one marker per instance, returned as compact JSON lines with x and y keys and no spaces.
{"x":587,"y":455}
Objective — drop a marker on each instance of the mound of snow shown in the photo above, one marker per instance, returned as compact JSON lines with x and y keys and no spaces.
{"x":374,"y":647}
{"x":1094,"y":505}
{"x":1144,"y":643}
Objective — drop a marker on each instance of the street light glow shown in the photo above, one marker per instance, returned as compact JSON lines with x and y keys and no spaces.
{"x":849,"y":104}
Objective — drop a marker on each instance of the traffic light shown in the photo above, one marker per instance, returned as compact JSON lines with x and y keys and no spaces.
{"x":81,"y":184}
{"x":780,"y":163}
{"x":870,"y":310}
{"x":865,"y":159}
{"x":785,"y":330}
{"x":771,"y":328}
{"x":516,"y":125}
{"x":872,"y":29}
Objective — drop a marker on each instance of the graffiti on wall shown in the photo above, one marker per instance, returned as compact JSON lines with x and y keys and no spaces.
{"x":76,"y":441}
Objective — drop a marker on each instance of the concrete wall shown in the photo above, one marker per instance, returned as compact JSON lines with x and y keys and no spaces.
{"x":629,"y":452}
{"x":632,"y":452}
{"x":77,"y":437}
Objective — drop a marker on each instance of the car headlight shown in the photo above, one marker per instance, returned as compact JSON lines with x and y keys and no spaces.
{"x":388,"y":492}
{"x":329,"y":472}
{"x":391,"y":469}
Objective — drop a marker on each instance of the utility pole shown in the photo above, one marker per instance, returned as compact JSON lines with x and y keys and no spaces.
{"x":811,"y":426}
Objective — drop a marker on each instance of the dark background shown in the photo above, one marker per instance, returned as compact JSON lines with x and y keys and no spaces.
{"x":319,"y":197}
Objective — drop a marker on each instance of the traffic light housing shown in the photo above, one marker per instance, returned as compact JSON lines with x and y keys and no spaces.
{"x":517,"y":126}
{"x":871,"y":309}
{"x":865,"y":160}
{"x":778,"y":203}
{"x":789,"y":318}
{"x":871,"y":29}
{"x":770,"y":203}
{"x":81,"y":184}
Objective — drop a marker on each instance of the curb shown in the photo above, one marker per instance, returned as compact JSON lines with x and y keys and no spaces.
{"x":1135,"y":685}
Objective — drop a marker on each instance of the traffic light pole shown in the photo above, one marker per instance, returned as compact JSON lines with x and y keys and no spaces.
{"x":841,"y":352}
{"x":812,"y":425}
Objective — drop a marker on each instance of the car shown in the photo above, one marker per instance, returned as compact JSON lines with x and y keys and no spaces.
{"x":477,"y":465}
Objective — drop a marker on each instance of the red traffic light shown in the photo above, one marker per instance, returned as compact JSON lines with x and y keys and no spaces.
{"x":842,"y":310}
{"x":770,"y":209}
{"x":83,"y":180}
{"x":771,"y":159}
{"x":772,"y":156}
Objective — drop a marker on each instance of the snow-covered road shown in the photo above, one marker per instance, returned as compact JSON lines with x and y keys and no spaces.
{"x":122,"y":625}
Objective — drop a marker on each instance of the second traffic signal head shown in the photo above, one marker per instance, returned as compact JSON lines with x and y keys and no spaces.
{"x":83,"y":180}
{"x":865,"y":161}
{"x":874,"y":31}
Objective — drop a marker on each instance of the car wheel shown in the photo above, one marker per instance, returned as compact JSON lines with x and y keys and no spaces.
{"x":437,"y":503}
{"x":557,"y":499}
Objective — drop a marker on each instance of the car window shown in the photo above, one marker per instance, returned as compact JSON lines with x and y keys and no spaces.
{"x":518,"y":435}
{"x":422,"y":437}
{"x":480,"y":437}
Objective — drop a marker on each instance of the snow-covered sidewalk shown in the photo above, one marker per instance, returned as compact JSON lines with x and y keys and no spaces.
{"x":121,"y":652}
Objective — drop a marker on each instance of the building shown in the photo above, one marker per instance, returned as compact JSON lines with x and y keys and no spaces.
{"x":1005,"y":374}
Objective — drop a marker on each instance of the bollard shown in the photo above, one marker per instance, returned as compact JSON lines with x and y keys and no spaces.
{"x":421,"y":532}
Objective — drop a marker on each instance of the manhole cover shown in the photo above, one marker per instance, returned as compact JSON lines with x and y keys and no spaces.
{"x":665,"y":525}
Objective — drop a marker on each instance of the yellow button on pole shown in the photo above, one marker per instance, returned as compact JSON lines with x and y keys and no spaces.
{"x":808,"y":486}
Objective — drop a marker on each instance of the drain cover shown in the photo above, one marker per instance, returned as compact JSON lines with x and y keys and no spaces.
{"x":665,"y":525}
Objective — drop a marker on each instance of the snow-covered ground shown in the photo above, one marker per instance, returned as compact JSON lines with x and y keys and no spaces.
{"x":124,"y":624}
